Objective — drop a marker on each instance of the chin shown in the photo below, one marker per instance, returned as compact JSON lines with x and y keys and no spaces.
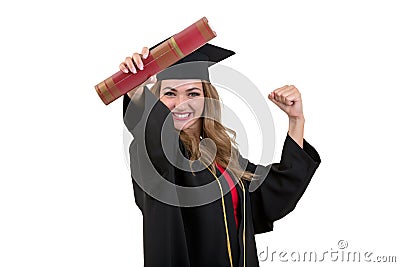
{"x":181,"y":127}
{"x":184,"y":126}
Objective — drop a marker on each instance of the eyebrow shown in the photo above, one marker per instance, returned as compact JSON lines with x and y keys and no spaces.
{"x":187,"y":90}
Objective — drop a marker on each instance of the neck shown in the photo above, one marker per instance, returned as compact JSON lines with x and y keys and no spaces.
{"x":194,"y":130}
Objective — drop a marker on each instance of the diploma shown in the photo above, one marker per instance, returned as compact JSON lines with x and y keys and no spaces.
{"x":160,"y":57}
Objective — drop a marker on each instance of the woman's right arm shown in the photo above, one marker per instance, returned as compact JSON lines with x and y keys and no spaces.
{"x":146,"y":117}
{"x":134,"y":64}
{"x":151,"y":124}
{"x":134,"y":99}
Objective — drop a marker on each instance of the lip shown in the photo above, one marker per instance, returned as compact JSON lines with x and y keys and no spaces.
{"x":174,"y":115}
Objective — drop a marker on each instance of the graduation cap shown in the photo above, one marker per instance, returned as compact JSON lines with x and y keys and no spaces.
{"x":196,"y":64}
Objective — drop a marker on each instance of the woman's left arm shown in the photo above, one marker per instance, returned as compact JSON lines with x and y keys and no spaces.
{"x":288,"y":99}
{"x":278,"y":187}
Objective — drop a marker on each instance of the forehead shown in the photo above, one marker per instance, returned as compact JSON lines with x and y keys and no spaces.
{"x":177,"y":84}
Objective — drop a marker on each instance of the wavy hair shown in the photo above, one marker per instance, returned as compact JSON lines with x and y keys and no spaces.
{"x":226,"y":147}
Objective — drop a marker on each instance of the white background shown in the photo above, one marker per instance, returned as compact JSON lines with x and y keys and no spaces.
{"x":66,"y":197}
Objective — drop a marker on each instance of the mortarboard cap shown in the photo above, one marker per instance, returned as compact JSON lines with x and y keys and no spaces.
{"x":196,"y":64}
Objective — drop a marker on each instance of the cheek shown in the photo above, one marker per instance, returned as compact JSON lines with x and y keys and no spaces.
{"x":198,"y":104}
{"x":167,"y":102}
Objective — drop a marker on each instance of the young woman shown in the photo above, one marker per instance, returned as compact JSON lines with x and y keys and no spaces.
{"x":214,"y":224}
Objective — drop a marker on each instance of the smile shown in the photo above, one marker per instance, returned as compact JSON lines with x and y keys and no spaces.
{"x":181,"y":116}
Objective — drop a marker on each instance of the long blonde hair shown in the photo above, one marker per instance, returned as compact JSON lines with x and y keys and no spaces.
{"x":212,"y":128}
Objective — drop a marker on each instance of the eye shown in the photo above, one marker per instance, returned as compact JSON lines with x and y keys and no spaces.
{"x":169,"y":94}
{"x":194,"y":94}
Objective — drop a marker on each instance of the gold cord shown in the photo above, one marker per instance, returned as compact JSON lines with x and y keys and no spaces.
{"x":225,"y":220}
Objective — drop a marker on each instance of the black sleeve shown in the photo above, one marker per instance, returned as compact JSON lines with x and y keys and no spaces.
{"x":156,"y":141}
{"x":146,"y":117}
{"x":279,"y":186}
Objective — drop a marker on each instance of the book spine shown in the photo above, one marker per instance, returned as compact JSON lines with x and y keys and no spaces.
{"x":160,"y":57}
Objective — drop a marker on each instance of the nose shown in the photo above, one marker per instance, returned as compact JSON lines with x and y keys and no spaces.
{"x":181,"y":102}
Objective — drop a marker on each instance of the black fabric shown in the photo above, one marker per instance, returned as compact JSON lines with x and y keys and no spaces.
{"x":186,"y":71}
{"x":196,"y":64}
{"x":195,"y":236}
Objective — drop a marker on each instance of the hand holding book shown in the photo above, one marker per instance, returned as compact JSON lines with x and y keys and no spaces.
{"x":159,"y":58}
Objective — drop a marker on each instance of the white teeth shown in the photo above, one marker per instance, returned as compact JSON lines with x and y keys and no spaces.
{"x":182,"y":115}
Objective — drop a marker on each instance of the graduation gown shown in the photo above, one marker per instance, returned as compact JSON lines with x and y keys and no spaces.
{"x":196,"y":236}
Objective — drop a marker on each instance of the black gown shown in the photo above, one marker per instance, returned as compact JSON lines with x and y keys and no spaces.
{"x":196,"y":236}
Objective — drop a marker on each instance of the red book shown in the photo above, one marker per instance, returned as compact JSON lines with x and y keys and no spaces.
{"x":160,"y":57}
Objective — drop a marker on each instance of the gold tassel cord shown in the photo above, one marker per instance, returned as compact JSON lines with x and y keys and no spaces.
{"x":225,"y":220}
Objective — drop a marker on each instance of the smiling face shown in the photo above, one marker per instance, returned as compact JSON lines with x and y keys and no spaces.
{"x":185,"y":99}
